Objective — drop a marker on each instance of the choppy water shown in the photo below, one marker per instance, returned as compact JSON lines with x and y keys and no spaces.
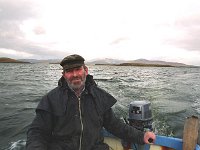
{"x":174,"y":94}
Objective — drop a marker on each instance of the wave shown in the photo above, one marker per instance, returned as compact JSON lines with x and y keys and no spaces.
{"x":18,"y":145}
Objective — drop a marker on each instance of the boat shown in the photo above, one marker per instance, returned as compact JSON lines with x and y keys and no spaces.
{"x":141,"y":111}
{"x":161,"y":143}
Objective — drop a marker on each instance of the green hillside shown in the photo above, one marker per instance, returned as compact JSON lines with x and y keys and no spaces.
{"x":9,"y":60}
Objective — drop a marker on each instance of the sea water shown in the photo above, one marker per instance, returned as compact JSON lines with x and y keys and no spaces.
{"x":174,"y":93}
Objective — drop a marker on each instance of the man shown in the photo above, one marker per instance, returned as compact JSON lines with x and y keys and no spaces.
{"x":71,"y":116}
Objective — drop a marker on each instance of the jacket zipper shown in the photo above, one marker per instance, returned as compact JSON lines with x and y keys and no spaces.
{"x":81,"y":121}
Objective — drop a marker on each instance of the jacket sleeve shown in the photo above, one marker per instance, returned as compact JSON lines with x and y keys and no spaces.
{"x":38,"y":135}
{"x":118,"y":128}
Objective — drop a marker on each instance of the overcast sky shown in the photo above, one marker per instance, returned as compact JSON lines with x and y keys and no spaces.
{"x":166,"y":30}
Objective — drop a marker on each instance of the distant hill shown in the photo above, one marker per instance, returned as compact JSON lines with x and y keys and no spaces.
{"x":144,"y":65}
{"x":9,"y":60}
{"x":145,"y":61}
{"x":106,"y":61}
{"x":138,"y":62}
{"x":41,"y":61}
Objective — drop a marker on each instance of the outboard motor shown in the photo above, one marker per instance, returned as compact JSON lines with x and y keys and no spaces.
{"x":140,"y":117}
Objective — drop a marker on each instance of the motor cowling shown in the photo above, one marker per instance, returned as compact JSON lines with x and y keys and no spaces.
{"x":140,"y":115}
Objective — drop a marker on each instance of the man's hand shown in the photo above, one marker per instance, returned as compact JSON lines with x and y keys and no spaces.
{"x":149,"y":137}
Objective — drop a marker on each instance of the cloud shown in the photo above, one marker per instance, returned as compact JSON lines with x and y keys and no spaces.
{"x":12,"y":38}
{"x":189,"y":33}
{"x":16,"y":10}
{"x":12,"y":15}
{"x":119,"y":40}
{"x":39,"y":30}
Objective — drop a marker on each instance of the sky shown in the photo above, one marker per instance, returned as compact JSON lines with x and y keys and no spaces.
{"x":167,"y":30}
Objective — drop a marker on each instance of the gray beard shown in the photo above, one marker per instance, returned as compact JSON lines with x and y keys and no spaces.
{"x":76,"y":87}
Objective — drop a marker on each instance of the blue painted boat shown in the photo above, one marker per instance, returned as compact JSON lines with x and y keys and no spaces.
{"x":168,"y":142}
{"x":141,"y":118}
{"x":161,"y":143}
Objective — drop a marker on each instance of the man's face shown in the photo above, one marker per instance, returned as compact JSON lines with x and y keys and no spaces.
{"x":76,"y":77}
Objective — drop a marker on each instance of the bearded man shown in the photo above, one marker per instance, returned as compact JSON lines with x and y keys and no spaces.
{"x":72,"y":116}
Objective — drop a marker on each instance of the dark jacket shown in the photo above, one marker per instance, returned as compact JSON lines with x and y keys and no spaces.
{"x":60,"y":125}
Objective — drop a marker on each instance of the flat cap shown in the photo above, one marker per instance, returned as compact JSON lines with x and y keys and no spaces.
{"x":72,"y":61}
